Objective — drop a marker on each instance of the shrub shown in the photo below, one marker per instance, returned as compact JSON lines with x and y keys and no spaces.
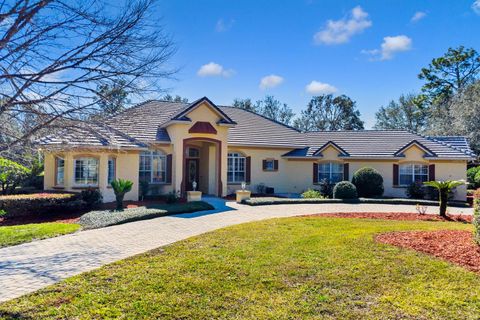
{"x":172,"y":197}
{"x":476,"y":216}
{"x":120,"y":188}
{"x":369,"y":182}
{"x":312,"y":194}
{"x":345,"y":190}
{"x":38,"y":203}
{"x":144,"y":188}
{"x":92,"y":197}
{"x":12,"y":175}
{"x":444,"y":189}
{"x":416,"y":191}
{"x":326,"y":188}
{"x":477,"y":180}
{"x":471,"y":173}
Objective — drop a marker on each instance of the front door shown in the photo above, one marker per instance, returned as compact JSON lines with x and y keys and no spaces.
{"x":193,"y":173}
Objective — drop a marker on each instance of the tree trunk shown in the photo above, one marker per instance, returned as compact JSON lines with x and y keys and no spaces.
{"x":443,"y":202}
{"x":119,"y":200}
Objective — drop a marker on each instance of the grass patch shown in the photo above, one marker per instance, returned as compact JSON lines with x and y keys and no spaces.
{"x":262,"y":201}
{"x":12,"y":235}
{"x":303,"y":268}
{"x":105,"y":218}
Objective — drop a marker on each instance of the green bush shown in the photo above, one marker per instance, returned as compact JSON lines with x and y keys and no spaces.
{"x":416,"y":191}
{"x":39,"y":203}
{"x":471,"y":173}
{"x":92,"y":197}
{"x":12,"y":175}
{"x":476,"y":216}
{"x":312,"y":194}
{"x":326,"y":188}
{"x":477,"y":180}
{"x":172,"y":197}
{"x":345,"y":190}
{"x":369,"y":182}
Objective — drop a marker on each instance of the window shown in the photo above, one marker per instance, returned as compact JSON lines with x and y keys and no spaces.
{"x":112,"y":164}
{"x":236,"y":168}
{"x":86,"y":171}
{"x":60,"y":171}
{"x":269,"y":165}
{"x":411,"y":173}
{"x":153,"y":166}
{"x":193,"y":153}
{"x":331,"y":171}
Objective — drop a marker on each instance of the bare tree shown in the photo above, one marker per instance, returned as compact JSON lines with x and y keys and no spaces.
{"x":56,"y":54}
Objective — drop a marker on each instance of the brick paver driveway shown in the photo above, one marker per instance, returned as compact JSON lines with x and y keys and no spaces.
{"x":28,"y":267}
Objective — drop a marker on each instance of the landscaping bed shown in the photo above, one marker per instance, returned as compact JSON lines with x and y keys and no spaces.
{"x":402,"y":216}
{"x":105,"y":218}
{"x":456,"y":246}
{"x":262,"y":201}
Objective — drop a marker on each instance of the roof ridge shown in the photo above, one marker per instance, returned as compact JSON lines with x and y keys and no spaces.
{"x":442,"y":143}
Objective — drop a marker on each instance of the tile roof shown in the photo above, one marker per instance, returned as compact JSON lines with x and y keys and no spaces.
{"x":144,"y":124}
{"x":378,"y":144}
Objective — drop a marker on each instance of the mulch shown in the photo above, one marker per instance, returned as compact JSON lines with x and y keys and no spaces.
{"x":395,"y":216}
{"x":456,"y":246}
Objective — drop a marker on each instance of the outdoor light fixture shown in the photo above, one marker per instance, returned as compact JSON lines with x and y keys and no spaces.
{"x":244,"y":185}
{"x":194,"y":185}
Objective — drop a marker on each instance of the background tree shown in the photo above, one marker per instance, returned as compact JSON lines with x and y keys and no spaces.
{"x":245,"y":104}
{"x":449,"y":74}
{"x":12,"y":175}
{"x":177,"y":98}
{"x":406,"y":113}
{"x":275,"y":110}
{"x":112,"y":98}
{"x":327,"y":112}
{"x":55,"y":56}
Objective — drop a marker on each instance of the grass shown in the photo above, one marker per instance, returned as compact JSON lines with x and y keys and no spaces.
{"x":12,"y":235}
{"x":293,"y":268}
{"x":105,"y":218}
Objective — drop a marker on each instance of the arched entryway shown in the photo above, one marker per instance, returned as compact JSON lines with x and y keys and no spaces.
{"x":202,"y":164}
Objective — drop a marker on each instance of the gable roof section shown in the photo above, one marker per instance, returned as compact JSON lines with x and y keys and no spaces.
{"x":400,"y":152}
{"x":182,"y":115}
{"x":343,"y":153}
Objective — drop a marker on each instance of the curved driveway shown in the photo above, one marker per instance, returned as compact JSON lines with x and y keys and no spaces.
{"x":31,"y":266}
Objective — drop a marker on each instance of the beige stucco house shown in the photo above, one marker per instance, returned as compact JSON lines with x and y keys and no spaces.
{"x":169,"y":145}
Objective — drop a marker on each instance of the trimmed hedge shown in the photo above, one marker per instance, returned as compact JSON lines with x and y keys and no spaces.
{"x":369,"y":182}
{"x":345,"y":190}
{"x":273,"y":201}
{"x":105,"y":218}
{"x":20,"y":205}
{"x":476,"y":216}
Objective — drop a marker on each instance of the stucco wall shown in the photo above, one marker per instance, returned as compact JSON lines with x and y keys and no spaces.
{"x":126,"y":168}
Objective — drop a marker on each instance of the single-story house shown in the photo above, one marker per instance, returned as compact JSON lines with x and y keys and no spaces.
{"x":169,"y":145}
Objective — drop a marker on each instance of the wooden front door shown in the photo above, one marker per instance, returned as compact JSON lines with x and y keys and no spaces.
{"x":193,"y":173}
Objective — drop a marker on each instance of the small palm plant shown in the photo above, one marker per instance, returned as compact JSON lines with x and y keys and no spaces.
{"x":121,"y":187}
{"x":444,"y":188}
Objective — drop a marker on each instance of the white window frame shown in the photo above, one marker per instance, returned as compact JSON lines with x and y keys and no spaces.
{"x":154,"y":155}
{"x":236,"y":158}
{"x":412,"y":172}
{"x":330,"y":171}
{"x":75,"y":163}
{"x":57,"y":171}
{"x":112,"y":160}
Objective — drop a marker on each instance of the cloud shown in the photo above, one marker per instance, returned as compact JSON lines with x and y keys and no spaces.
{"x":340,"y":31}
{"x":316,"y":87}
{"x":270,"y":81}
{"x":390,"y":46}
{"x":223,"y":26}
{"x":419,"y":15}
{"x":213,"y":69}
{"x":476,"y":7}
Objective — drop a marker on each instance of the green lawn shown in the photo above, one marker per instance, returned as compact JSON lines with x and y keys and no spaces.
{"x":11,"y":235}
{"x":294,"y":268}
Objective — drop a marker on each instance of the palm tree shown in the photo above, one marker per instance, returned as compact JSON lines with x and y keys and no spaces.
{"x":444,"y":188}
{"x":120,"y":187}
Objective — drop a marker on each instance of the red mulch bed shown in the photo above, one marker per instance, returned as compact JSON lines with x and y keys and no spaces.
{"x":395,"y":216}
{"x":70,"y":217}
{"x":456,"y":246}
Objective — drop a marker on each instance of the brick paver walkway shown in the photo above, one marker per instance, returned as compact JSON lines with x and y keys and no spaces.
{"x":31,"y":266}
